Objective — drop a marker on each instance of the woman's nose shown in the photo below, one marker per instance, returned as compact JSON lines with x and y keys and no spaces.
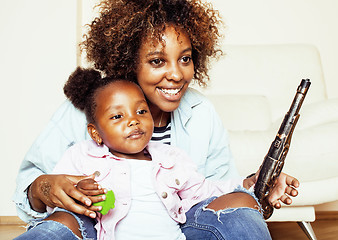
{"x":174,"y":73}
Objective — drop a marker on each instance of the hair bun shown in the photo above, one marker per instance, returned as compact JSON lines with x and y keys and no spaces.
{"x":80,"y":84}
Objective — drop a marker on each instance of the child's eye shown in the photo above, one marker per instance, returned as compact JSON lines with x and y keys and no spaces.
{"x":118,"y":116}
{"x":142,"y":111}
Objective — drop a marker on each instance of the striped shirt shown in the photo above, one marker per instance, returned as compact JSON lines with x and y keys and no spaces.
{"x":162,"y":134}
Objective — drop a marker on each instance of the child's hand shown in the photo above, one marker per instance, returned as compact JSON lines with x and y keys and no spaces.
{"x":91,"y":188}
{"x":284,"y":188}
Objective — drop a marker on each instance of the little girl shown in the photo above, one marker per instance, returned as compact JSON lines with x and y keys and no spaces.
{"x":154,"y":184}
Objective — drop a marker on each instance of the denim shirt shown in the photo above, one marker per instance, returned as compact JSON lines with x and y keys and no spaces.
{"x":196,"y":128}
{"x":174,"y":176}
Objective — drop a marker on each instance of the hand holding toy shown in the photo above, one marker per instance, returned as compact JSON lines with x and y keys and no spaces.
{"x":107,"y":204}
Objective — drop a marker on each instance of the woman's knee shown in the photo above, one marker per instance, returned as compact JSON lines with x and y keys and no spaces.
{"x":234,"y":200}
{"x":66,"y":219}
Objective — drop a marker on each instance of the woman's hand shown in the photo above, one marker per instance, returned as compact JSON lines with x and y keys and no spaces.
{"x":284,"y":187}
{"x":60,"y":191}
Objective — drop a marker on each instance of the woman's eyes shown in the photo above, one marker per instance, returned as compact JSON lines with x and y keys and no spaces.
{"x":186,"y":59}
{"x":156,"y":62}
{"x":160,"y":62}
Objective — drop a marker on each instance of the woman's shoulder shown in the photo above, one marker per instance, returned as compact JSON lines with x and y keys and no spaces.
{"x":194,"y":99}
{"x":68,"y":111}
{"x":194,"y":94}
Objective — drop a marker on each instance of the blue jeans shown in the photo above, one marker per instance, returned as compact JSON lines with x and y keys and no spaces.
{"x":47,"y":229}
{"x":202,"y":224}
{"x":233,"y":223}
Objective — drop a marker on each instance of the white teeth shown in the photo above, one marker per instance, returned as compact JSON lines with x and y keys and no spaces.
{"x":170,"y":91}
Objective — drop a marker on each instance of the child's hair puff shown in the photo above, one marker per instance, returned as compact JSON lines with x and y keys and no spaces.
{"x":81,"y":84}
{"x":81,"y":89}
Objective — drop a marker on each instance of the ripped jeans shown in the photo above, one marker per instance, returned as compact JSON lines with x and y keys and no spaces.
{"x":233,"y":223}
{"x":48,"y":229}
{"x":202,"y":224}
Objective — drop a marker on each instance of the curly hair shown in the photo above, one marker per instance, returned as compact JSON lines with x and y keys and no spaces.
{"x":113,"y":39}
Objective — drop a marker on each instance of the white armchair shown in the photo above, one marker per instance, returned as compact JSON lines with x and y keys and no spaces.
{"x":252,"y":88}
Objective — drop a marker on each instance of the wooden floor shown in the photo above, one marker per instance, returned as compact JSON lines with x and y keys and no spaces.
{"x":325,"y":228}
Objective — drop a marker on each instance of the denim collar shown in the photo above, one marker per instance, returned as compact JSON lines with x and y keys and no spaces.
{"x":190,"y":99}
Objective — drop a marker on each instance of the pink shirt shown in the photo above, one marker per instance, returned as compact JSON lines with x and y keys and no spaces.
{"x":175,"y":178}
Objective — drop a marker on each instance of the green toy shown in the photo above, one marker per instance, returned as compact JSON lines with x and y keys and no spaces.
{"x":108,"y":203}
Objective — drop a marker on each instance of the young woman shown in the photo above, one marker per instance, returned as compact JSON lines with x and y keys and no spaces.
{"x":162,"y":46}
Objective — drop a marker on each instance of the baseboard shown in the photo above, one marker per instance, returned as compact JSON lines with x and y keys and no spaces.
{"x":320,"y":215}
{"x":11,"y":220}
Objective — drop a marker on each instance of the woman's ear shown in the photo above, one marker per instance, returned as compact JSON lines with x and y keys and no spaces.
{"x":94,"y":134}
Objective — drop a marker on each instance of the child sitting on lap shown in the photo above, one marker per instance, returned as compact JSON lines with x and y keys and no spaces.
{"x":154,"y":184}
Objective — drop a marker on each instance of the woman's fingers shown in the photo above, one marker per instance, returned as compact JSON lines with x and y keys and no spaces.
{"x":69,"y":204}
{"x":284,"y":188}
{"x":291,"y":191}
{"x":61,"y":191}
{"x":291,"y":181}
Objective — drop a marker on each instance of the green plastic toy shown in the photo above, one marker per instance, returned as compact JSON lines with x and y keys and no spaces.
{"x":107,"y":204}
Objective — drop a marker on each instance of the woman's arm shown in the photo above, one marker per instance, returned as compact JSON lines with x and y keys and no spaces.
{"x":198,"y":130}
{"x":66,"y":127}
{"x":60,"y":191}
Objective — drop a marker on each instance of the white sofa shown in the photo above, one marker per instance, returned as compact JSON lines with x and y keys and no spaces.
{"x":252,"y":88}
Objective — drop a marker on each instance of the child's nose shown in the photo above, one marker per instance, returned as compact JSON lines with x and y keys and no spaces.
{"x":133,"y":121}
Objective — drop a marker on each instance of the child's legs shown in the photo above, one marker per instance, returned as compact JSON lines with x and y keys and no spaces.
{"x":239,"y":219}
{"x":61,"y":225}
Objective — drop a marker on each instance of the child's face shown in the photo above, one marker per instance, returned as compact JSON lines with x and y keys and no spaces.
{"x":123,"y":119}
{"x":165,"y":70}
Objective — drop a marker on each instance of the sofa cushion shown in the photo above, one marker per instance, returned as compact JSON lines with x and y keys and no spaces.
{"x":242,"y":112}
{"x":312,"y":155}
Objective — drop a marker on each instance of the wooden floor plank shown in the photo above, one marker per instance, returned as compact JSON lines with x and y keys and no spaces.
{"x":325,"y":228}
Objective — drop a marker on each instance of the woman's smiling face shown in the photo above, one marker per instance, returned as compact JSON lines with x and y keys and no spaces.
{"x":165,"y":69}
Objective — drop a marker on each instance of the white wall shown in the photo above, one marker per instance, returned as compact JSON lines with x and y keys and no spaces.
{"x":38,"y":51}
{"x":288,"y":21}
